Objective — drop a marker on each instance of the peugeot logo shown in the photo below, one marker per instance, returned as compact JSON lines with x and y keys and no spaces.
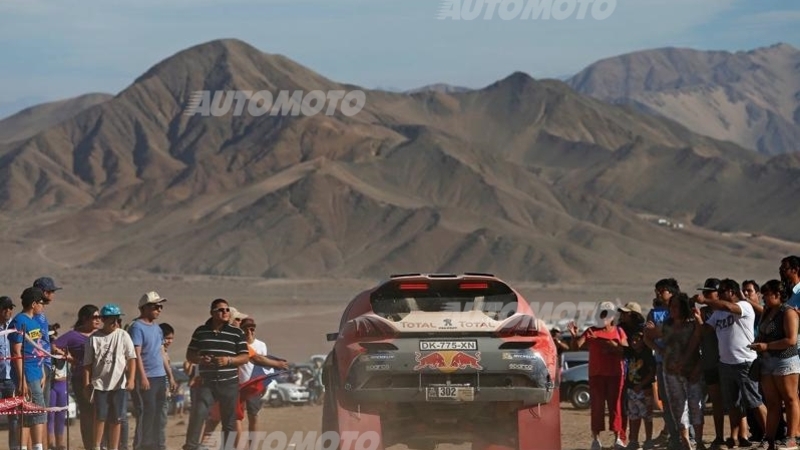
{"x":448,"y":322}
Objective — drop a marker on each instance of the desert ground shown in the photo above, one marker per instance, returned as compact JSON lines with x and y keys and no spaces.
{"x":290,"y":419}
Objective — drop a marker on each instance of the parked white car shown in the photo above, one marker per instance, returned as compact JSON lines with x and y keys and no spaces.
{"x":281,"y":394}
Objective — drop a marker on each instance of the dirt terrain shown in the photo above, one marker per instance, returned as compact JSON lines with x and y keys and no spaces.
{"x":574,"y":427}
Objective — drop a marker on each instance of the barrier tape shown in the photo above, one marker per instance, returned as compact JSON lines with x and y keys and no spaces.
{"x":42,"y":352}
{"x":8,"y":407}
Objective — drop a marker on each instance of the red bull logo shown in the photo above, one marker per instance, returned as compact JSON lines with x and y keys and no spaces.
{"x":448,"y":361}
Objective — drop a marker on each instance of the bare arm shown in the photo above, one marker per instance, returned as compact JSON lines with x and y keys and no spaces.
{"x":265,"y":361}
{"x":720,"y":305}
{"x":144,"y":383}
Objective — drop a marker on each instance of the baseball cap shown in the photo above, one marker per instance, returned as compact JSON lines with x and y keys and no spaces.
{"x":248,"y":322}
{"x":46,"y":284}
{"x":31,"y":295}
{"x":110,"y":310}
{"x":631,"y":307}
{"x":6,"y":302}
{"x":235,"y":314}
{"x":711,"y":284}
{"x":610,"y":311}
{"x":151,"y":297}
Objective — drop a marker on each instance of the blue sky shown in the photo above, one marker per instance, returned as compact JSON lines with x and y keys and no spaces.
{"x":53,"y":49}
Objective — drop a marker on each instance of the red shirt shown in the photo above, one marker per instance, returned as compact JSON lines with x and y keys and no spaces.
{"x":603,"y":361}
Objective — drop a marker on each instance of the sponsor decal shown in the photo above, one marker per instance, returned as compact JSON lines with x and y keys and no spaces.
{"x":447,"y":324}
{"x":417,"y":325}
{"x":448,"y":361}
{"x":376,"y":367}
{"x":527,"y":367}
{"x":519,"y":355}
{"x":376,"y":357}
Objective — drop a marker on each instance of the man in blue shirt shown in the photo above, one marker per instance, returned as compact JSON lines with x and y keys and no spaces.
{"x":28,"y":365}
{"x":151,"y":381}
{"x":48,"y":288}
{"x":665,"y":289}
{"x":7,"y":386}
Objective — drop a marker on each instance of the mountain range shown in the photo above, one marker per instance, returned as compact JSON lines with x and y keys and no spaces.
{"x":527,"y":178}
{"x":751,"y":98}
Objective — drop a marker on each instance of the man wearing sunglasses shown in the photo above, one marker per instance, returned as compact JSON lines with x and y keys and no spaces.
{"x":28,"y":365}
{"x":219,"y":349}
{"x":151,"y":376}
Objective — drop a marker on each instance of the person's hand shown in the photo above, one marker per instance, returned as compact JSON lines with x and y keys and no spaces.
{"x":144,"y":384}
{"x":222,"y":361}
{"x":573,"y":329}
{"x":22,"y":390}
{"x":206,"y":360}
{"x":698,"y":315}
{"x":699,"y":299}
{"x":758,"y":346}
{"x":590,"y":334}
{"x":283,"y":365}
{"x":130,"y":385}
{"x":173,"y":387}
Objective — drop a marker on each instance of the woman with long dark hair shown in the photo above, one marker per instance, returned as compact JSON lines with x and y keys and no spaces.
{"x":73,"y":342}
{"x":682,"y":369}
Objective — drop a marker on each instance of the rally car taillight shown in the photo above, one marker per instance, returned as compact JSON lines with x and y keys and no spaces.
{"x":520,"y":326}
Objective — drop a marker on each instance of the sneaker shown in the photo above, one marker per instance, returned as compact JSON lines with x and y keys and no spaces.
{"x":730,"y":442}
{"x":786,"y":444}
{"x":745,"y":443}
{"x":596,"y":445}
{"x":620,"y":444}
{"x":633,"y":445}
{"x":716,"y":443}
{"x":648,"y":444}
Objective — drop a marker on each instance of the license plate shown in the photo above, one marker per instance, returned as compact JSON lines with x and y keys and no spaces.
{"x":457,"y":393}
{"x":448,"y":345}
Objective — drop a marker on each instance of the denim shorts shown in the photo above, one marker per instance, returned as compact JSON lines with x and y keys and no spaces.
{"x":780,"y":366}
{"x":111,"y":406}
{"x":37,"y":397}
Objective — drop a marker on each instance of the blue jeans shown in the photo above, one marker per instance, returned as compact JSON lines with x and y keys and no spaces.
{"x":7,"y":390}
{"x":209,"y":391}
{"x":149,"y":423}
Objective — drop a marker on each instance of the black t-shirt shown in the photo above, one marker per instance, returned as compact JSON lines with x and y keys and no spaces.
{"x":228,"y":341}
{"x":641,"y":367}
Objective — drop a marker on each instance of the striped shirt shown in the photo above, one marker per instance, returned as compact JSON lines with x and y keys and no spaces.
{"x":228,"y":341}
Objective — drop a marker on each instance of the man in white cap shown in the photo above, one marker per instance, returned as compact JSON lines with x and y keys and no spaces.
{"x":151,"y":373}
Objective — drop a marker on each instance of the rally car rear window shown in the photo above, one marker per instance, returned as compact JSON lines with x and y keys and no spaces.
{"x":397,"y":299}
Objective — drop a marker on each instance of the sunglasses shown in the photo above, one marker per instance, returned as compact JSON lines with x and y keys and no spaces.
{"x":97,"y":316}
{"x":157,"y":306}
{"x":221,"y":310}
{"x":250,"y":329}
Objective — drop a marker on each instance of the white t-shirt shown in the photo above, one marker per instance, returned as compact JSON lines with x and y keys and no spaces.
{"x":735,"y":333}
{"x":250,"y":370}
{"x":108,"y":355}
